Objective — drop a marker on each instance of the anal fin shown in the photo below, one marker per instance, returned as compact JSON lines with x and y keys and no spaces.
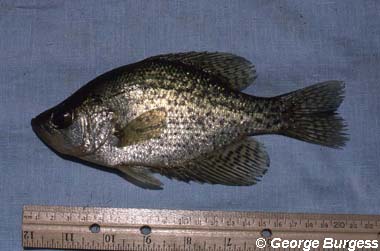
{"x":239,"y":164}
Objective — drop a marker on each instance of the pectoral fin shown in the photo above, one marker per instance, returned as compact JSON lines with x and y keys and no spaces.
{"x":146,"y":126}
{"x":239,"y":164}
{"x":141,"y":176}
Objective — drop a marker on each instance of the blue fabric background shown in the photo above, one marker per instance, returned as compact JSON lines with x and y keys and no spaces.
{"x":48,"y":49}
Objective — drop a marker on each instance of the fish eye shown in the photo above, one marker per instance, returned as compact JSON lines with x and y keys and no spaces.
{"x":62,"y":120}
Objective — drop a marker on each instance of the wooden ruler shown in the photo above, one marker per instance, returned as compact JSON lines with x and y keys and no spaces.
{"x":171,"y":230}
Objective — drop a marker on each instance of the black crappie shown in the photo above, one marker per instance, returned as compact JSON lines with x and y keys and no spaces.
{"x":184,"y":116}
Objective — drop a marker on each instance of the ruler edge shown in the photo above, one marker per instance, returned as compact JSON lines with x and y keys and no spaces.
{"x":59,"y":208}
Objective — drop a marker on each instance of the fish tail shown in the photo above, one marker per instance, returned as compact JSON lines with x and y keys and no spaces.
{"x":310,"y":114}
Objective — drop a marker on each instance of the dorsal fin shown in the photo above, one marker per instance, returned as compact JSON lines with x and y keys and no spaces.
{"x":237,"y":72}
{"x":239,"y":164}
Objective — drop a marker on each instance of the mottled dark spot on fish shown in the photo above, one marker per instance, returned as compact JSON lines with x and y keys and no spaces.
{"x":193,"y":117}
{"x":222,"y":122}
{"x":200,"y":121}
{"x":274,"y":109}
{"x":259,"y":109}
{"x":97,"y":99}
{"x":276,"y":121}
{"x":180,"y":145}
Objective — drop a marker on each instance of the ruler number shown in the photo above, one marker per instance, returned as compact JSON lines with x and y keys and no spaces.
{"x":184,"y":221}
{"x":324,"y":225}
{"x":339,"y":224}
{"x":187,"y":240}
{"x":353,"y":225}
{"x":262,"y":223}
{"x":228,"y":242}
{"x":147,"y":239}
{"x":69,"y":236}
{"x":28,"y":235}
{"x":309,"y":225}
{"x":109,"y":238}
{"x":51,"y":216}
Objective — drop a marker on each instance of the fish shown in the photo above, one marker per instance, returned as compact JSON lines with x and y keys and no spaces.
{"x":185,"y":116}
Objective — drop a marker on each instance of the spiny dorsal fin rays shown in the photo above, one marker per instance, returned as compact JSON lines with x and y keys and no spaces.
{"x":236,"y":72}
{"x":239,"y":164}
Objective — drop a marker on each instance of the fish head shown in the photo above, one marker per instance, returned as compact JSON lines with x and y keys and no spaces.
{"x":74,"y":130}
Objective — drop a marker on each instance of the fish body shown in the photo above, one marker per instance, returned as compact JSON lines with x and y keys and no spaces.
{"x":184,"y":116}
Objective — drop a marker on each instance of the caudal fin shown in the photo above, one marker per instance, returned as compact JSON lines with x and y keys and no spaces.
{"x":310,"y":114}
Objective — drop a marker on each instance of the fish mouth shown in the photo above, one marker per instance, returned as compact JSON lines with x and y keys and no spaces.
{"x":43,"y":132}
{"x":39,"y":130}
{"x":40,"y":126}
{"x":35,"y":125}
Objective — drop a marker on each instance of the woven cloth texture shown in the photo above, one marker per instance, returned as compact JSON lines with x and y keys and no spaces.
{"x":48,"y":49}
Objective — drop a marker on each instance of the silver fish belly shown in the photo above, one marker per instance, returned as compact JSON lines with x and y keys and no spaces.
{"x":184,"y":116}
